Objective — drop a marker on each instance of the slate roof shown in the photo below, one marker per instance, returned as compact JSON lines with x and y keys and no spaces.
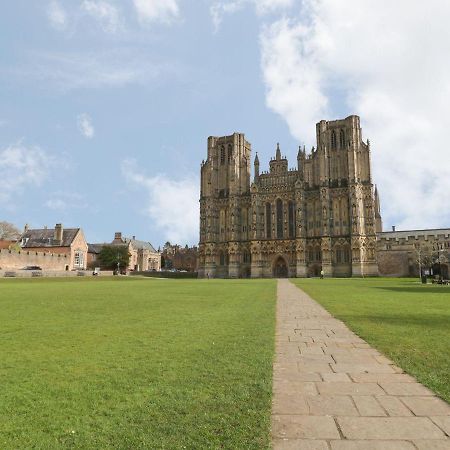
{"x":96,"y":248}
{"x":46,"y":238}
{"x":140,"y":245}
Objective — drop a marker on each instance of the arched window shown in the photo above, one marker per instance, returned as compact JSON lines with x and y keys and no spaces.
{"x":333,"y":139}
{"x":342,"y":139}
{"x":291,"y":209}
{"x":268,"y":220}
{"x":279,"y":219}
{"x":338,"y":255}
{"x":222,"y":155}
{"x":230,"y":152}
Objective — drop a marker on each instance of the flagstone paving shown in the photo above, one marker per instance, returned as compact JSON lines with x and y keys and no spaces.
{"x":332,"y":391}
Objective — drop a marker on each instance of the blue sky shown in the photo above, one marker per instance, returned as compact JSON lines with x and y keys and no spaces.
{"x":106,"y":105}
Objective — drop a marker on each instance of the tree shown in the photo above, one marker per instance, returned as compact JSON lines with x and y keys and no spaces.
{"x":110,"y":255}
{"x":8,"y":231}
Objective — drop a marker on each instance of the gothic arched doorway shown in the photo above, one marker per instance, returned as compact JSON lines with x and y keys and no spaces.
{"x":280,"y":268}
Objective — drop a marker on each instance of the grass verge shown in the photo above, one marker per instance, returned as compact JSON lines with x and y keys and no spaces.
{"x":136,"y":363}
{"x":407,"y":321}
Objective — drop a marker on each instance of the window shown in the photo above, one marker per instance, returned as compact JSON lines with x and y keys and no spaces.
{"x":333,"y":139}
{"x":291,"y":209}
{"x":342,"y":139}
{"x":338,"y":255}
{"x":222,"y":155}
{"x":246,"y":257}
{"x":268,"y":220}
{"x":221,"y":259}
{"x":279,"y":219}
{"x":230,"y":152}
{"x":79,"y":259}
{"x":346,"y":252}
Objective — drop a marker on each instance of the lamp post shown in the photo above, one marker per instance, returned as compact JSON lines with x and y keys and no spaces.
{"x":118,"y":263}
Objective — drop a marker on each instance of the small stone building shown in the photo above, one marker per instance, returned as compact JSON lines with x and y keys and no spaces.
{"x":67,"y":242}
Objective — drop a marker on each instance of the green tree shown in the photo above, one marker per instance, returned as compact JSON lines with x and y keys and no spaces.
{"x":110,"y":255}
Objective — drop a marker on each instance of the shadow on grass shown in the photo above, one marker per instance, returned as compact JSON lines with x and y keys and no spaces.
{"x":418,"y":289}
{"x":428,"y":321}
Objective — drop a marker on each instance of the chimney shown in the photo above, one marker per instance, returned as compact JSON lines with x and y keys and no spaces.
{"x":118,"y":236}
{"x":393,"y":227}
{"x":58,"y":232}
{"x":26,"y":227}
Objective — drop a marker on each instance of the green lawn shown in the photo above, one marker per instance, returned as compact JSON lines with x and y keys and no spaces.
{"x":407,"y":321}
{"x":136,"y":363}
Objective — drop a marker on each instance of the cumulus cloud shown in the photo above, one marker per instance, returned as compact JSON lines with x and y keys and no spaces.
{"x":85,"y":126}
{"x":57,"y":15}
{"x":103,"y":12}
{"x":22,"y":166}
{"x":172,"y":205}
{"x":156,"y":10}
{"x":383,"y":61}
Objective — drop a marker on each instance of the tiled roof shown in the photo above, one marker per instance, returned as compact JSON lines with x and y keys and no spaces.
{"x":140,"y":245}
{"x":46,"y":238}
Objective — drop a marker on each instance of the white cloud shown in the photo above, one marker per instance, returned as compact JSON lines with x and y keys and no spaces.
{"x":225,"y":7}
{"x":171,"y":204}
{"x":20,"y":167}
{"x":57,"y":15}
{"x":70,"y":71}
{"x":105,"y":13}
{"x":385,"y":59}
{"x":64,"y":201}
{"x":85,"y":126}
{"x":156,"y":10}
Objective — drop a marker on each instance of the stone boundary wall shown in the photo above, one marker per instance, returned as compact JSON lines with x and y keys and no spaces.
{"x":12,"y":260}
{"x":50,"y":273}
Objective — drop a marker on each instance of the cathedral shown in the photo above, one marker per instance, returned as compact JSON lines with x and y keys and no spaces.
{"x":321,"y":217}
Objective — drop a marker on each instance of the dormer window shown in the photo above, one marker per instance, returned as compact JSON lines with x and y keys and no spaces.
{"x":24,"y":241}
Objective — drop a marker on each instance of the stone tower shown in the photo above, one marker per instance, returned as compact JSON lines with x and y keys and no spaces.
{"x":290,"y":222}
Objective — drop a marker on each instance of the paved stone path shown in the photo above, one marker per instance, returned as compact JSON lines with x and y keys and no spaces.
{"x":333,"y":391}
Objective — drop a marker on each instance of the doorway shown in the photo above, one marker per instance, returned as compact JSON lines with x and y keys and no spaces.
{"x":280,"y":268}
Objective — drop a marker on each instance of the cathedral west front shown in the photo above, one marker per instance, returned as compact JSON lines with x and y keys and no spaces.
{"x":321,"y":216}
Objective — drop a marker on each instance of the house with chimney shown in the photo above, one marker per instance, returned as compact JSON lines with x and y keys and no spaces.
{"x":69,"y":243}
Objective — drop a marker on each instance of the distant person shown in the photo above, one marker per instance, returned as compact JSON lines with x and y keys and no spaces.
{"x":321,"y":274}
{"x":207,"y":275}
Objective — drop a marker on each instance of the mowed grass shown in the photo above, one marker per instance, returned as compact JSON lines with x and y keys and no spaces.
{"x":136,"y":363}
{"x":407,"y":321}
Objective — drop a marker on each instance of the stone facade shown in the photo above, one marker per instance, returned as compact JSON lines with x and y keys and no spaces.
{"x":405,"y":253}
{"x":322,"y":215}
{"x":180,"y":258}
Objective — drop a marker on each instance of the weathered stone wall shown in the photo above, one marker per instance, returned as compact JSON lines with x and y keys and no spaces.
{"x":393,"y":263}
{"x":10,"y":259}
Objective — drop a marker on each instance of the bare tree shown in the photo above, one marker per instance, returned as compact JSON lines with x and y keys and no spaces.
{"x":9,"y":231}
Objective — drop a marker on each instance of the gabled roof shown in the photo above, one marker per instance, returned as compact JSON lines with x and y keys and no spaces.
{"x":46,"y":238}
